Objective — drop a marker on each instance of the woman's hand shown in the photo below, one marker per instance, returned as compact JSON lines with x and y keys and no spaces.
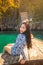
{"x":22,"y":61}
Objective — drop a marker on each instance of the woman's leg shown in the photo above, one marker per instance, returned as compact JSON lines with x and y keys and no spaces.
{"x":7,"y":49}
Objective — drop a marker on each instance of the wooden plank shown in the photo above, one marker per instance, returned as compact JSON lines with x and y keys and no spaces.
{"x":1,"y":61}
{"x":32,"y":62}
{"x":39,"y":44}
{"x":35,"y":53}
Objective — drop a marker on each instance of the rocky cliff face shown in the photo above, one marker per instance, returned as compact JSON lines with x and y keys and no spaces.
{"x":36,"y":25}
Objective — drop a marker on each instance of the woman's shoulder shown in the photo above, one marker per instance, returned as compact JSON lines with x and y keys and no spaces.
{"x":21,"y":35}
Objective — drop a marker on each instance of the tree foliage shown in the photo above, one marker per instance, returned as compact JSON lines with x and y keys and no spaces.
{"x":8,"y":4}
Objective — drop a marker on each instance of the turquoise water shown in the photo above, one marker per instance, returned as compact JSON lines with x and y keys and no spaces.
{"x":38,"y":34}
{"x":6,"y":38}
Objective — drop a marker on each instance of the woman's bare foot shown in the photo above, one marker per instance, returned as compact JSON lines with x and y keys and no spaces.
{"x":22,"y":61}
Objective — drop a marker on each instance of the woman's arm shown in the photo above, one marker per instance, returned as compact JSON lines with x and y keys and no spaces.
{"x":22,"y":61}
{"x":23,"y":54}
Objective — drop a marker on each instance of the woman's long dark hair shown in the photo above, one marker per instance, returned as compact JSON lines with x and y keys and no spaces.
{"x":27,"y":34}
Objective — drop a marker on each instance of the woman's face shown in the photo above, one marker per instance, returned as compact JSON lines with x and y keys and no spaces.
{"x":22,"y":28}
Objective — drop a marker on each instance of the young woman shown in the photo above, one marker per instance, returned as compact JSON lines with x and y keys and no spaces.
{"x":23,"y":39}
